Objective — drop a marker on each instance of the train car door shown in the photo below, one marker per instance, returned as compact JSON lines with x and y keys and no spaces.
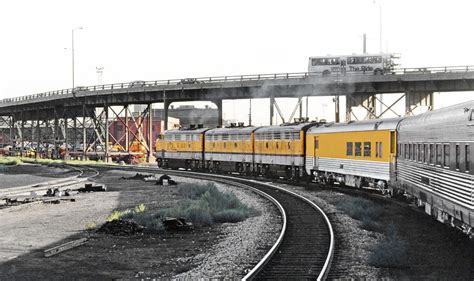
{"x":316,"y":153}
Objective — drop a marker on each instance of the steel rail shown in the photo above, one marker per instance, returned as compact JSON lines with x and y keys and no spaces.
{"x":15,"y":191}
{"x":238,"y":78}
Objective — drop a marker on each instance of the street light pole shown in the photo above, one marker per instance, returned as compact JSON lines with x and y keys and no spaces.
{"x":72,"y":49}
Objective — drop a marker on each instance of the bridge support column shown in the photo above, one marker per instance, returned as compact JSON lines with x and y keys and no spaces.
{"x":106,"y":145}
{"x":336,"y":110}
{"x":56,"y":135}
{"x":127,"y":130}
{"x":366,"y":101}
{"x":219,"y":112}
{"x":150,"y":156}
{"x":38,"y":129}
{"x":414,"y":100}
{"x":166,"y":106}
{"x":84,"y":133}
{"x":272,"y":105}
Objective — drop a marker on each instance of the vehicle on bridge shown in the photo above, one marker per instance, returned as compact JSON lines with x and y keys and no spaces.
{"x":377,"y":64}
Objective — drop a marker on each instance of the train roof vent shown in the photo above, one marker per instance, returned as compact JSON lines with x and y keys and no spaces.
{"x":200,"y":126}
{"x":323,"y":121}
{"x":241,"y":124}
{"x":192,"y":126}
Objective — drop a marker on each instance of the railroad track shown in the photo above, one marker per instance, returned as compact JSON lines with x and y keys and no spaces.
{"x":305,"y":247}
{"x":83,"y":174}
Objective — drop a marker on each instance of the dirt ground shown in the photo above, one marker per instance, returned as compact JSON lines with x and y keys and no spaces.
{"x":27,"y":230}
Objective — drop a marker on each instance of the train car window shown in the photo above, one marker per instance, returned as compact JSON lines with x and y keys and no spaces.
{"x":367,"y":149}
{"x":380,"y":149}
{"x":296,"y":135}
{"x":458,"y":156}
{"x":316,"y":143}
{"x":266,"y":144}
{"x":358,"y":149}
{"x":287,"y":136}
{"x":406,"y":151}
{"x":431,"y":154}
{"x":409,"y":151}
{"x":420,"y":152}
{"x":349,"y":149}
{"x":276,"y":135}
{"x":467,"y":156}
{"x":225,"y":144}
{"x":425,"y":153}
{"x":235,"y":145}
{"x":446,"y":155}
{"x":277,"y":146}
{"x":392,"y":142}
{"x":377,"y":149}
{"x":439,"y":154}
{"x":289,"y":145}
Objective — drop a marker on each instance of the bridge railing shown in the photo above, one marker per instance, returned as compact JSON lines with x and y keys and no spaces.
{"x":235,"y":78}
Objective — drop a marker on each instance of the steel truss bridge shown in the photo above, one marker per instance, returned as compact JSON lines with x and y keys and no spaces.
{"x":81,"y":117}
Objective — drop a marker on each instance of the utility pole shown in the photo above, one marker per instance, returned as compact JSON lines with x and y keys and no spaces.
{"x":72,"y":50}
{"x":100,"y":71}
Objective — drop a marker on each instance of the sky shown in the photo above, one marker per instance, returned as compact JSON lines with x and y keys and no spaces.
{"x":155,"y":40}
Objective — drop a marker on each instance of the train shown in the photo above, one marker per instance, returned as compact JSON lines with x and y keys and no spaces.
{"x":426,"y":157}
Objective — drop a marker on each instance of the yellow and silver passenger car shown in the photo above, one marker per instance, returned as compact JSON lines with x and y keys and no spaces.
{"x":229,"y":149}
{"x":355,"y":153}
{"x":182,"y":148}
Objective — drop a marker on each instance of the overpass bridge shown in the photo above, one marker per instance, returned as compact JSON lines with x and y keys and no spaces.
{"x":82,"y":115}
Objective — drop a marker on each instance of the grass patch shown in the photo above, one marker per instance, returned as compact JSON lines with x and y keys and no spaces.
{"x":90,"y":226}
{"x":201,"y":205}
{"x":392,"y":251}
{"x":363,"y":210}
{"x":10,"y":161}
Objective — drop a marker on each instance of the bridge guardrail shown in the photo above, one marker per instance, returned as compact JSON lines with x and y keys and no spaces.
{"x":238,"y":78}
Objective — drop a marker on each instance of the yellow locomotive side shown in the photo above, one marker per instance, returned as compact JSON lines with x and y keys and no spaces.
{"x":183,"y":143}
{"x":377,"y":146}
{"x":241,"y":145}
{"x":293,"y":146}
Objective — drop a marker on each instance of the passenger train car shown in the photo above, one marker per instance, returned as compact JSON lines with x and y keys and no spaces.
{"x":355,"y":153}
{"x":434,"y":163}
{"x":427,"y":157}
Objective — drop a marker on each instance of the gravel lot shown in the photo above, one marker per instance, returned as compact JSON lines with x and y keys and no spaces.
{"x":223,"y":251}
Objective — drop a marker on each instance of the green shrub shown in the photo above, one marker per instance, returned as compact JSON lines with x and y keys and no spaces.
{"x":91,"y":226}
{"x":10,"y":161}
{"x":202,"y":205}
{"x":391,"y":251}
{"x":363,"y":210}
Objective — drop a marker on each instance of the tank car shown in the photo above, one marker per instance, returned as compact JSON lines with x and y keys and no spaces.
{"x":434,"y":163}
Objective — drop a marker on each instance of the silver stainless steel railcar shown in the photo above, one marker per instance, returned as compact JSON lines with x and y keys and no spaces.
{"x":434,"y":163}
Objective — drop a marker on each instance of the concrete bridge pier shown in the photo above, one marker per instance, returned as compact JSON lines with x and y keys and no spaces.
{"x":366,"y":101}
{"x":415,"y":99}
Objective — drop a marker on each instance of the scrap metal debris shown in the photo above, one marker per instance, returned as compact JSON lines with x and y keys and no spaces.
{"x":88,"y":187}
{"x":121,"y":228}
{"x":165,"y":179}
{"x":176,"y":223}
{"x":63,"y":247}
{"x":137,"y":176}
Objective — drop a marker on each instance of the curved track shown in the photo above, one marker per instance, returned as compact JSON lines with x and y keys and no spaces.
{"x":84,"y":173}
{"x":305,"y":247}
